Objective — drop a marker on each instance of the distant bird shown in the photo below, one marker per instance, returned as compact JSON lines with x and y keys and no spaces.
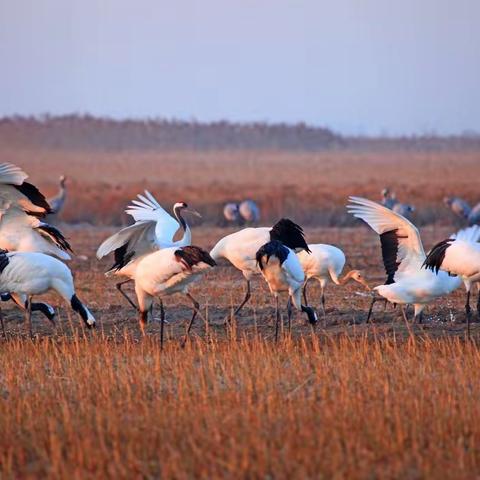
{"x":458,"y":206}
{"x":388,"y":198}
{"x":240,"y":248}
{"x":474,"y":215}
{"x":403,"y":255}
{"x":231,"y":212}
{"x":25,"y":274}
{"x":153,"y":229}
{"x":57,"y":202}
{"x":459,"y":255}
{"x":249,"y":211}
{"x":324,"y":263}
{"x":283,"y":273}
{"x":165,"y":272}
{"x":403,"y":209}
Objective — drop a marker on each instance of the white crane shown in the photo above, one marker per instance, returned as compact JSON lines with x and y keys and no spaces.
{"x":240,"y":248}
{"x":153,"y":229}
{"x":459,"y":255}
{"x":166,"y":272}
{"x":26,"y":274}
{"x":249,"y":211}
{"x":231,"y":213}
{"x":325,"y":263}
{"x":283,"y":272}
{"x":57,"y":202}
{"x":403,"y":256}
{"x":458,"y":206}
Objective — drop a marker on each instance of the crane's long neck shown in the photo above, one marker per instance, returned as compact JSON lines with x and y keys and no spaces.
{"x":187,"y":233}
{"x":341,"y":281}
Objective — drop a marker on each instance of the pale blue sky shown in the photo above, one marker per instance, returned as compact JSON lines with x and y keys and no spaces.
{"x":357,"y":66}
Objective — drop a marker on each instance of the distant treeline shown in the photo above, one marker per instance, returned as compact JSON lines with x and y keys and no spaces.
{"x":85,"y":132}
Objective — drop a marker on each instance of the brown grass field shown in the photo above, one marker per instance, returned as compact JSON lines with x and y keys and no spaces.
{"x":348,"y":401}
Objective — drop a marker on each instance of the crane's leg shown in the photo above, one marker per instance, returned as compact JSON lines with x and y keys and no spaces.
{"x":28,"y":315}
{"x":245,"y":300}
{"x":323,"y":309}
{"x":228,"y":318}
{"x":277,"y":320}
{"x":142,"y":320}
{"x":468,"y":311}
{"x":404,"y":314}
{"x":478,"y":300}
{"x":3,"y":325}
{"x":305,"y":300}
{"x":196,"y":311}
{"x":162,"y":323}
{"x":370,"y":310}
{"x":289,"y":313}
{"x":129,"y":300}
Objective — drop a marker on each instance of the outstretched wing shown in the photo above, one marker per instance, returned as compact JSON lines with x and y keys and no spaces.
{"x":402,"y":248}
{"x":14,"y":189}
{"x":147,"y":209}
{"x":135,"y":240}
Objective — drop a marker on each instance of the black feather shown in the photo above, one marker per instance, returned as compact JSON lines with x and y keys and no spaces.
{"x":272,"y":248}
{"x":56,"y":235}
{"x":436,"y":255}
{"x":121,"y":257}
{"x":290,"y":234}
{"x":34,"y":195}
{"x":389,"y":241}
{"x":192,"y":255}
{"x":4,"y":261}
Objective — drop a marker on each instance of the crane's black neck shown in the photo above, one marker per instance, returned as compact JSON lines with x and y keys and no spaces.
{"x":178,"y":213}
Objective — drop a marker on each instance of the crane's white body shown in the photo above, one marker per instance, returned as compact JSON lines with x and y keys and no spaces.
{"x":31,"y":273}
{"x":462,"y":258}
{"x":287,"y":277}
{"x":324,"y":263}
{"x":23,"y":233}
{"x":240,"y":248}
{"x":160,"y":274}
{"x":411,"y":283}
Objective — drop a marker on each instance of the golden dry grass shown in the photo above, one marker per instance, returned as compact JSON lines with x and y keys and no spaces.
{"x":344,"y":408}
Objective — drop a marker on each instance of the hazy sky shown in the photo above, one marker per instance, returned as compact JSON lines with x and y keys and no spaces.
{"x":358,"y":66}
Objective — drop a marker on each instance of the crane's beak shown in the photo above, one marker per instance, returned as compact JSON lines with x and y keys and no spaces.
{"x":193,"y":212}
{"x":365,"y":284}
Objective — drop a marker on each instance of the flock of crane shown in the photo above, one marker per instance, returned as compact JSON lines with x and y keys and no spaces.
{"x":33,"y":252}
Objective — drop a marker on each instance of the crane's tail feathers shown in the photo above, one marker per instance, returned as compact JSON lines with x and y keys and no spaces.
{"x":436,"y":256}
{"x":290,"y":234}
{"x":54,"y":235}
{"x":11,"y":174}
